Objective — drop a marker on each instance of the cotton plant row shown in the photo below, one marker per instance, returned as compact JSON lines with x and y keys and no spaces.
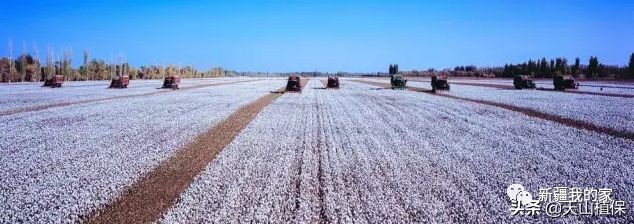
{"x":61,"y":163}
{"x":20,"y":96}
{"x":364,"y":155}
{"x":613,"y":112}
{"x":257,"y":177}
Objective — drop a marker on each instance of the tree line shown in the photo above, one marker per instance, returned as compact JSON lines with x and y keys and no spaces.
{"x":27,"y":68}
{"x":543,"y":68}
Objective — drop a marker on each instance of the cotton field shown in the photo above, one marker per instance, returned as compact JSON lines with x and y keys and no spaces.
{"x":16,"y":96}
{"x":613,"y":112}
{"x":358,"y":154}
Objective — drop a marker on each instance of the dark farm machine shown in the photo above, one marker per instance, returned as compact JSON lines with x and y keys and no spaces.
{"x":439,"y":83}
{"x":397,"y":81}
{"x":333,"y":82}
{"x":563,"y":82}
{"x":171,"y":82}
{"x":294,"y":84}
{"x":54,"y":82}
{"x":523,"y":82}
{"x":120,"y":80}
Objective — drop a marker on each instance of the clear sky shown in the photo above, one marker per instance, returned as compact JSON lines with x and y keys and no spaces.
{"x":354,"y":36}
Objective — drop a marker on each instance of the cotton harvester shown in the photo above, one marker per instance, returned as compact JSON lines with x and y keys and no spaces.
{"x":55,"y":81}
{"x":120,"y":80}
{"x":294,"y":84}
{"x":523,"y":82}
{"x":563,"y":82}
{"x":171,"y":82}
{"x":439,"y":83}
{"x":333,"y":82}
{"x":397,"y":81}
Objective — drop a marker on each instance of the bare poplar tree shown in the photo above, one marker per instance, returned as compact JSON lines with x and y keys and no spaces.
{"x":11,"y":67}
{"x":50,"y":63}
{"x":85,"y":71}
{"x":38,"y":63}
{"x":23,"y":62}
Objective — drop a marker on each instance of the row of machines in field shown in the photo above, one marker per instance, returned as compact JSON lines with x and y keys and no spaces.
{"x":294,"y":83}
{"x":561,"y":82}
{"x":397,"y":81}
{"x":438,"y":83}
{"x":119,"y":79}
{"x":117,"y":82}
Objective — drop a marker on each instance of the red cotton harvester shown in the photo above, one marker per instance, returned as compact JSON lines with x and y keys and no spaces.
{"x":120,"y":82}
{"x":55,"y":81}
{"x":439,"y":83}
{"x":171,"y":82}
{"x":294,"y":84}
{"x":333,"y":82}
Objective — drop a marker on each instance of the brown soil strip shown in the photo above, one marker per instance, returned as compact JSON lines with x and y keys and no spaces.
{"x":146,"y":200}
{"x":304,"y":82}
{"x":324,"y":82}
{"x":66,"y":103}
{"x":526,"y":111}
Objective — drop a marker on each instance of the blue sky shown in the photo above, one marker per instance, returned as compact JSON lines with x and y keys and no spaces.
{"x":355,"y":36}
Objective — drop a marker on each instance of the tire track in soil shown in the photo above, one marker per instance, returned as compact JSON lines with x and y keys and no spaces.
{"x":320,"y":152}
{"x":68,"y":103}
{"x":507,"y":87}
{"x":299,"y":154}
{"x":147,"y":200}
{"x":526,"y":111}
{"x":311,"y":150}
